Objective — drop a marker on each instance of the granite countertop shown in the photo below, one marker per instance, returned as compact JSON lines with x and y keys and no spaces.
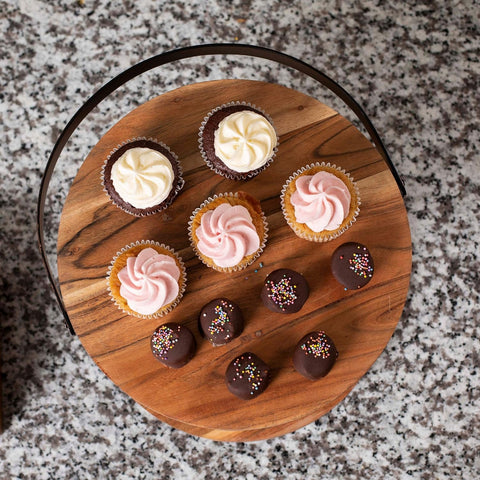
{"x":414,"y":67}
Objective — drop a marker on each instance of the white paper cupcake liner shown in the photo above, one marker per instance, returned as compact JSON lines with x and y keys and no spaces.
{"x":231,"y":174}
{"x":182,"y":278}
{"x":165,"y":204}
{"x":200,"y":256}
{"x":325,"y":237}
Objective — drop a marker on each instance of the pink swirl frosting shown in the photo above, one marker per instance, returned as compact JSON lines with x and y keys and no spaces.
{"x":227,"y":235}
{"x":149,"y":281}
{"x":321,"y":201}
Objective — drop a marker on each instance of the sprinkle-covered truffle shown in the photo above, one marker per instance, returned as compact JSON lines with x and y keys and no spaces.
{"x":314,"y":355}
{"x":247,"y":376}
{"x":173,"y":344}
{"x":352,"y":265}
{"x":163,"y":340}
{"x":220,"y":321}
{"x":285,"y":291}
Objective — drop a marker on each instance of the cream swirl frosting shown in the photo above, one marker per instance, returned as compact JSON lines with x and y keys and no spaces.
{"x":149,"y":281}
{"x":227,"y":235}
{"x":321,"y":201}
{"x":244,"y":141}
{"x":143,"y":177}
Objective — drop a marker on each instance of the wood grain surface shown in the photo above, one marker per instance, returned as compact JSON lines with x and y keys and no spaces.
{"x":361,"y":322}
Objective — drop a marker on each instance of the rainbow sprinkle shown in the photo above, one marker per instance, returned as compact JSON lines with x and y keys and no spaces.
{"x":251,"y":372}
{"x":360,"y":264}
{"x":217,"y":325}
{"x":163,"y":340}
{"x":318,"y":346}
{"x":282,"y":293}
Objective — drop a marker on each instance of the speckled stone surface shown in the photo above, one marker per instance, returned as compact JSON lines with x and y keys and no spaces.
{"x":414,"y":67}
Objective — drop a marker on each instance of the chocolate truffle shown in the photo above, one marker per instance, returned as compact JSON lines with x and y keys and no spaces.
{"x":285,"y":291}
{"x":247,"y":376}
{"x":314,"y":355}
{"x":352,"y":265}
{"x":173,"y":344}
{"x":220,"y":321}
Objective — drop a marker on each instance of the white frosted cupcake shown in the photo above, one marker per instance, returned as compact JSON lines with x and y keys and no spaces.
{"x":142,"y":176}
{"x":146,"y":279}
{"x":238,"y":140}
{"x":228,"y":231}
{"x":320,"y":202}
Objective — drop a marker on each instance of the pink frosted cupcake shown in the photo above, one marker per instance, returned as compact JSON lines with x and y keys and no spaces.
{"x":320,"y":202}
{"x":146,"y":279}
{"x":229,"y":231}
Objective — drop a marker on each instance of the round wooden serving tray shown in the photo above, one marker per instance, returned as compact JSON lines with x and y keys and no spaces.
{"x":195,"y":398}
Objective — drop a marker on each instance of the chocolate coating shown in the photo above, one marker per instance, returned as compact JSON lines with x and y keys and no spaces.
{"x":247,"y":376}
{"x":314,"y":355}
{"x":118,"y":200}
{"x":285,"y":291}
{"x":352,"y":265}
{"x":220,"y":321}
{"x":173,"y":344}
{"x":208,"y":141}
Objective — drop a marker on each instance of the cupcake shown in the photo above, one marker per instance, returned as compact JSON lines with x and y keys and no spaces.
{"x":142,"y":177}
{"x":146,"y":279}
{"x":228,"y":232}
{"x":320,"y":202}
{"x":237,"y":140}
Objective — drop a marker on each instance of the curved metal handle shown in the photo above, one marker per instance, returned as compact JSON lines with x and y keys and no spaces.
{"x":168,"y":57}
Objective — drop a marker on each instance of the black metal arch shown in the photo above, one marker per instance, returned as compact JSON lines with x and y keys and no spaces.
{"x":172,"y":56}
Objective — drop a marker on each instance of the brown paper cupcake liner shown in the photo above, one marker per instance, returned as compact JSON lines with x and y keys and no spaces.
{"x":300,"y":229}
{"x":209,"y":262}
{"x":139,"y":212}
{"x":231,"y":174}
{"x":157,"y":246}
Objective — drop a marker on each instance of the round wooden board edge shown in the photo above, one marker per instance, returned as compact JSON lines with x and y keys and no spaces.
{"x":307,"y":422}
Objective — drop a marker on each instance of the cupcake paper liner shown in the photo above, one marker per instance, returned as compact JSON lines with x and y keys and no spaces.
{"x":156,"y":208}
{"x":326,"y":236}
{"x":182,"y":279}
{"x":232,"y":175}
{"x":241,"y":265}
